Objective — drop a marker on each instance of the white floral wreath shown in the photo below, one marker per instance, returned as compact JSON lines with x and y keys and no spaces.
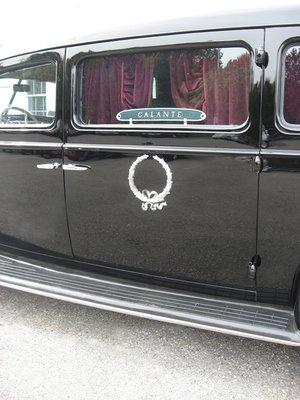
{"x":150,"y":199}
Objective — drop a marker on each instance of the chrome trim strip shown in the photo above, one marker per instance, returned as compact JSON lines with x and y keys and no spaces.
{"x":231,"y":129}
{"x":159,"y":149}
{"x":29,"y":145}
{"x":280,"y":153}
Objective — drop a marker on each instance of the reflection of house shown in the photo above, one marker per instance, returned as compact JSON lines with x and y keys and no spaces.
{"x":41,"y":98}
{"x":37,"y":97}
{"x":39,"y":101}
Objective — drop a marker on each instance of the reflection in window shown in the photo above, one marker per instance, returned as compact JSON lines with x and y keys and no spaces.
{"x":291,"y":102}
{"x":215,"y":81}
{"x":28,"y":95}
{"x":37,"y":97}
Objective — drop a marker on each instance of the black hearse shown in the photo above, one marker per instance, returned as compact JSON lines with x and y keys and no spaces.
{"x":157,"y":173}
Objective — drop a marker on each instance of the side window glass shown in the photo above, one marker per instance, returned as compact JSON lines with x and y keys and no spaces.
{"x":28,"y":96}
{"x":194,"y":87}
{"x":291,"y":85}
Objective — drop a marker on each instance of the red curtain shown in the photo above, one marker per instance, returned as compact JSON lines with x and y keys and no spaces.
{"x":197,"y":81}
{"x":222,"y":93}
{"x":186,"y":80}
{"x":96,"y":108}
{"x":115,"y":84}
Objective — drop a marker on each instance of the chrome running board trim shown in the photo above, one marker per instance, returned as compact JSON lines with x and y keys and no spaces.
{"x":241,"y":318}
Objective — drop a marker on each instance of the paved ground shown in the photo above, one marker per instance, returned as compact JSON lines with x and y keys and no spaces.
{"x":54,"y":350}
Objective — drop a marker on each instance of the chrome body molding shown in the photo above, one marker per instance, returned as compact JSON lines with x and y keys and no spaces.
{"x":160,"y":149}
{"x":235,"y":317}
{"x":151,"y":149}
{"x":280,"y":153}
{"x":30,"y":145}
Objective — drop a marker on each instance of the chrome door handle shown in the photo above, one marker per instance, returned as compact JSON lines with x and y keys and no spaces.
{"x":49,"y":166}
{"x":66,"y":167}
{"x":75,"y":167}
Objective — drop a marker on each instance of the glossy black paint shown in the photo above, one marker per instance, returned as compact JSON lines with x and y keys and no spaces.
{"x":208,"y":233}
{"x":279,"y":202}
{"x":32,"y":201}
{"x":32,"y":207}
{"x":192,"y":238}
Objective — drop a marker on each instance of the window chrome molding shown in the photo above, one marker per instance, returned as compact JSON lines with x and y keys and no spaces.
{"x":161,"y":128}
{"x":160,"y":149}
{"x":176,"y":42}
{"x":234,"y":129}
{"x":280,"y":122}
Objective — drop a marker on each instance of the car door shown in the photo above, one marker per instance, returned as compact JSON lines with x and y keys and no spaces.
{"x":279,"y":210}
{"x":159,"y":157}
{"x":32,"y":205}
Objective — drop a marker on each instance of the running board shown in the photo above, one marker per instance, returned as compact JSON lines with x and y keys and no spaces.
{"x":241,"y":318}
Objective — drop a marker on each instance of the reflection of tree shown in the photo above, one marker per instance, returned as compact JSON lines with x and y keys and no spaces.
{"x":200,"y":80}
{"x":189,"y":67}
{"x":227,"y":91}
{"x":268,"y":106}
{"x":292,"y":86}
{"x":43,"y":73}
{"x":213,"y":54}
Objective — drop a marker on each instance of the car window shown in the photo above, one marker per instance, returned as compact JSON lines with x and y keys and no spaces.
{"x":189,"y":86}
{"x":28,"y":96}
{"x":291,"y":83}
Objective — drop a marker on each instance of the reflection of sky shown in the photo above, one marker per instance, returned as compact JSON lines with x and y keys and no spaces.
{"x":231,"y":54}
{"x":293,"y":48}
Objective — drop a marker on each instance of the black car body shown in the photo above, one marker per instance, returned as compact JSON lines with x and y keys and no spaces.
{"x":155,"y":173}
